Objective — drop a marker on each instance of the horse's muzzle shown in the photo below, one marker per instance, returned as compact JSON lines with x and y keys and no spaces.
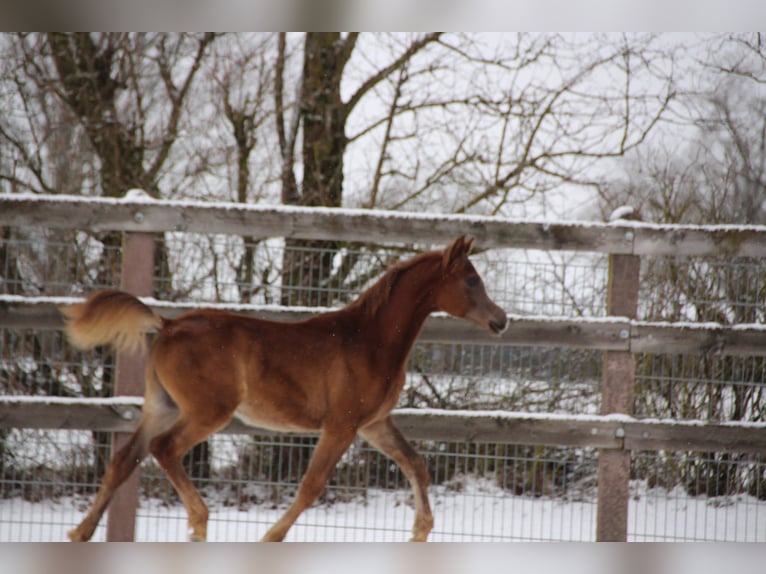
{"x":499,"y":327}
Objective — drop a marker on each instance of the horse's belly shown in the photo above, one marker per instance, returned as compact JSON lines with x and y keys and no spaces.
{"x":266,"y":417}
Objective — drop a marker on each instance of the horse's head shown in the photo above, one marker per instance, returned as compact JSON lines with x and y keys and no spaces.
{"x":461,"y":291}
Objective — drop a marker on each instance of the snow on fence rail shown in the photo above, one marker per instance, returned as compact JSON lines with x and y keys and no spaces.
{"x":615,"y":431}
{"x":376,"y":226}
{"x":609,"y":333}
{"x":620,"y":335}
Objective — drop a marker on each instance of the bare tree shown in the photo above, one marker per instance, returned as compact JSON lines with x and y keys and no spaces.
{"x":744,"y":56}
{"x":103,"y":80}
{"x":459,"y":123}
{"x":486,"y":123}
{"x":322,"y":115}
{"x":117,"y":97}
{"x":241,"y":83}
{"x":121,"y":96}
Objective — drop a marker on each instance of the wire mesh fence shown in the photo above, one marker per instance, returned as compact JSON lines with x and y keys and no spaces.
{"x":479,"y":491}
{"x":35,"y":262}
{"x":701,"y":387}
{"x":497,"y":492}
{"x":681,"y":496}
{"x":488,"y":493}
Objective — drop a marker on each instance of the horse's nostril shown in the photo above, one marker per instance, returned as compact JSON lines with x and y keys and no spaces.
{"x":499,"y":327}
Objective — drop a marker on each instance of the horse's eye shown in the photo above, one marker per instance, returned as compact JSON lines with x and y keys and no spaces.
{"x":472,"y":281}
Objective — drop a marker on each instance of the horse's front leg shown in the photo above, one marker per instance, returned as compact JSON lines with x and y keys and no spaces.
{"x":329,"y":449}
{"x":388,"y":439}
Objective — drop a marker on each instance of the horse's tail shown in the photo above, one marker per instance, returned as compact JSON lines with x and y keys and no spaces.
{"x":110,"y":317}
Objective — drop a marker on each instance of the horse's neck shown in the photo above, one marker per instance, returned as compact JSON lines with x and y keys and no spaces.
{"x":400,"y":318}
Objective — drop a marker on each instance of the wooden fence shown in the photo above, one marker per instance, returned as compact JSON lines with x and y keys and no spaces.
{"x":620,"y":336}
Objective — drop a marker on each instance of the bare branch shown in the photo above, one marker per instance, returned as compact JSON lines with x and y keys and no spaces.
{"x":286,"y":139}
{"x":384,"y":73}
{"x":177,"y":98}
{"x":386,"y":137}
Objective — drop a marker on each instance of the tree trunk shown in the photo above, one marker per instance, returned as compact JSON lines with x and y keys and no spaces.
{"x":307,"y":265}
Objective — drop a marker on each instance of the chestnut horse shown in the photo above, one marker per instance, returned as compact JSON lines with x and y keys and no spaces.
{"x":340,"y":373}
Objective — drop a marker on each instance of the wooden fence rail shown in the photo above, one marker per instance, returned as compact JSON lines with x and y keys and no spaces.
{"x":621,"y":237}
{"x":620,"y":336}
{"x":614,"y":432}
{"x":610,"y":333}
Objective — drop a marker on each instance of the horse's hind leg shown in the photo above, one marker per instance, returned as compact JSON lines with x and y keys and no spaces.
{"x":169,"y":448}
{"x":120,"y":468}
{"x":159,"y":412}
{"x":388,"y":439}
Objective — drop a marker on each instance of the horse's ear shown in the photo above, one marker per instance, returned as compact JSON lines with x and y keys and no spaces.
{"x":456,"y":251}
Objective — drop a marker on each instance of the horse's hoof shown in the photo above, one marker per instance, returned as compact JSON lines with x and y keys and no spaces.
{"x":197,"y":537}
{"x":76,"y":536}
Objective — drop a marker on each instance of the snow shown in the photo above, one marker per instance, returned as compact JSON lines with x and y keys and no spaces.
{"x":622,"y":213}
{"x":41,"y":300}
{"x":474,"y":510}
{"x":137,"y":195}
{"x":470,"y":509}
{"x":512,"y":317}
{"x":59,"y":300}
{"x":461,"y":415}
{"x":367,"y":213}
{"x":512,"y":416}
{"x":116,"y":402}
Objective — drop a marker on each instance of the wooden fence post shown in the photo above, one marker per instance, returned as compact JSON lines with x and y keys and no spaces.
{"x":618,"y":378}
{"x":136,"y":278}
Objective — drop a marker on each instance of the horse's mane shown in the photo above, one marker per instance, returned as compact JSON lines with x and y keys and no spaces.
{"x":371,"y":300}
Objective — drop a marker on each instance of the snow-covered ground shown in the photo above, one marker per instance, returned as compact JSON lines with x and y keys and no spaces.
{"x":478,"y":512}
